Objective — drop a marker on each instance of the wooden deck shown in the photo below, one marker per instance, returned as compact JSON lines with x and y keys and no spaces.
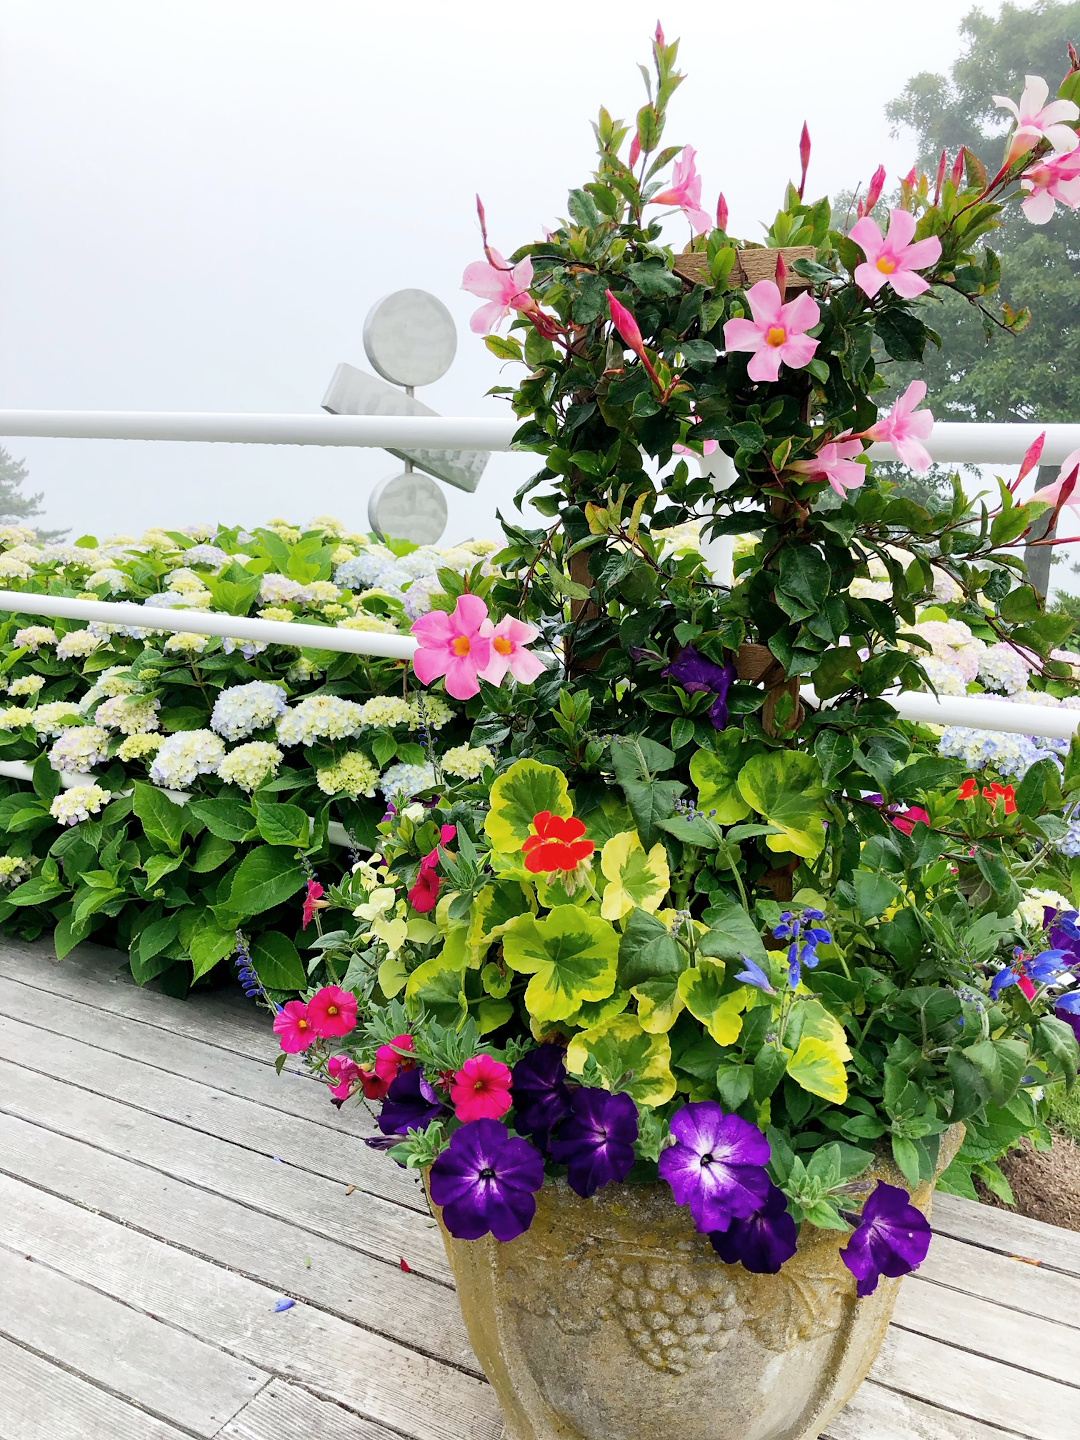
{"x":161,"y":1189}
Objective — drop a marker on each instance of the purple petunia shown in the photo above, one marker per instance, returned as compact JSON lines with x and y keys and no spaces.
{"x":597,"y":1142}
{"x":486,"y":1180}
{"x":716,"y":1166}
{"x":1067,"y":1008}
{"x":760,"y":1242}
{"x":410,"y":1104}
{"x":892,"y":1238}
{"x":541,"y":1096}
{"x":695,"y":674}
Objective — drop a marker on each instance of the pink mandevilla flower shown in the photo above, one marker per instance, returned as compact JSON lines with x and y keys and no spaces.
{"x":503,"y":286}
{"x":892,"y":259}
{"x":293,"y":1027}
{"x":1037,"y":121}
{"x":836,"y":463}
{"x":344,"y":1073}
{"x":685,"y":192}
{"x":776,"y":333}
{"x":1063,"y":491}
{"x":457,"y":645}
{"x":905,"y":428}
{"x":508,"y":652}
{"x":1057,"y":177}
{"x":332,"y":1011}
{"x":481,"y":1089}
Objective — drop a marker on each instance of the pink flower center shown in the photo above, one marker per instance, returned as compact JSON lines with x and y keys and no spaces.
{"x":775,"y":335}
{"x":1041,"y":176}
{"x":460,"y":645}
{"x":886,"y":264}
{"x":503,"y":645}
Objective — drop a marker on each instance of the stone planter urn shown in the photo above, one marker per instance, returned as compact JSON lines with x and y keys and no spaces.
{"x":613,"y":1319}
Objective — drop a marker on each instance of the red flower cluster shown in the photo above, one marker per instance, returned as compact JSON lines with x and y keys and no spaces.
{"x":330,"y":1012}
{"x":557,"y":845}
{"x":995,"y":792}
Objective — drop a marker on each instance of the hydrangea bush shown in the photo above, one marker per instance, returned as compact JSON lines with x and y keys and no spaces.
{"x":687,"y":919}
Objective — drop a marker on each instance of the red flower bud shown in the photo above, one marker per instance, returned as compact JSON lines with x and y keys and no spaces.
{"x":804,"y":157}
{"x":722,"y":213}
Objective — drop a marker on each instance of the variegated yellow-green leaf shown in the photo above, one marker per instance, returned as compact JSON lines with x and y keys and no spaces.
{"x":716,"y":776}
{"x":659,"y":1004}
{"x":572,"y":956}
{"x":490,"y":1013}
{"x":518,"y":796}
{"x":701,"y":988}
{"x":493,"y":909}
{"x":439,"y":988}
{"x":634,"y":877}
{"x":819,"y":1023}
{"x":594,"y":1012}
{"x":785,"y":787}
{"x":392,"y":976}
{"x":621,"y":1047}
{"x":817,"y":1066}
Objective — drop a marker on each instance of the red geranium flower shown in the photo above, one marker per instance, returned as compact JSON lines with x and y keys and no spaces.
{"x":968,"y":790}
{"x":997,"y":792}
{"x":557,"y":845}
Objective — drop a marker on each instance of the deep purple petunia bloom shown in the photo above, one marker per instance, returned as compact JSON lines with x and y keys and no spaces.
{"x":486,"y":1181}
{"x":410,"y":1104}
{"x":892,"y":1238}
{"x":763,"y":1241}
{"x":717,"y":1165}
{"x":540,"y":1093}
{"x":1064,"y":934}
{"x":694,"y":673}
{"x":597,"y":1142}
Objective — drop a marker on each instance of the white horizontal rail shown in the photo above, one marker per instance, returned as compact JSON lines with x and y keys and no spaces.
{"x":979,"y":712}
{"x":203,"y":622}
{"x":950,"y":442}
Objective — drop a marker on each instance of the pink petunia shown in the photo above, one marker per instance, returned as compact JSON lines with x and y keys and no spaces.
{"x":481,"y":1089}
{"x":905,"y":428}
{"x":424,"y":895}
{"x":294,"y":1028}
{"x":344,"y":1073}
{"x":685,"y":192}
{"x":776,"y":333}
{"x":508,"y":652}
{"x":1057,"y":177}
{"x":906,"y":820}
{"x":388,"y":1063}
{"x":892,"y":259}
{"x":503,"y":286}
{"x":332,"y":1011}
{"x":456,"y":645}
{"x":1037,"y":121}
{"x":836,"y":463}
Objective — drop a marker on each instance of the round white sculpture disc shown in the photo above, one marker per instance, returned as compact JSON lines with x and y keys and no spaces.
{"x":409,"y":506}
{"x":410,"y":337}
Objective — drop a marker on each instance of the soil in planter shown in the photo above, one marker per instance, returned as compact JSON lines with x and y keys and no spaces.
{"x":1046,"y":1183}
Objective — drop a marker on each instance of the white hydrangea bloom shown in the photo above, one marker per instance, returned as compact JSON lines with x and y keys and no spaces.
{"x":11,"y":569}
{"x":417,"y":600}
{"x":27,"y":685}
{"x":320,"y":717}
{"x":375,"y":565}
{"x":402,"y":782}
{"x":184,"y":756}
{"x":140,"y":746}
{"x":28,"y":554}
{"x":13,"y":871}
{"x":330,"y":524}
{"x":953,"y":643}
{"x":201,"y":530}
{"x":16,"y":535}
{"x":78,"y":803}
{"x":862,"y":589}
{"x":322,"y":592}
{"x":76,"y":644}
{"x":288,"y":533}
{"x":78,"y":556}
{"x":131,"y":715}
{"x":946,"y":590}
{"x":186,"y":642}
{"x":79,"y":749}
{"x":185,"y":582}
{"x":302,"y":670}
{"x":388,"y":711}
{"x":117,"y":680}
{"x":14,"y":717}
{"x":211,"y":556}
{"x":1011,"y":755}
{"x":180,"y":600}
{"x":34,"y":636}
{"x":466,"y":763}
{"x":115,"y":581}
{"x":433,"y":710}
{"x":352,"y":775}
{"x":1030,"y":910}
{"x":341,"y":554}
{"x":280,"y":587}
{"x":243,"y":709}
{"x":276,"y":612}
{"x":248,"y":648}
{"x":945,"y":678}
{"x":1001,"y":667}
{"x":158,"y":539}
{"x":54,"y":718}
{"x":249,"y":765}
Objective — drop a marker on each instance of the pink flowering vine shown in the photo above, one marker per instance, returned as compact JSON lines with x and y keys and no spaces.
{"x":893,"y":259}
{"x":836,"y":463}
{"x":685,"y":192}
{"x":906,"y":427}
{"x":1054,"y":179}
{"x":777,"y":332}
{"x":457,"y":646}
{"x":508,"y":652}
{"x":1037,"y":121}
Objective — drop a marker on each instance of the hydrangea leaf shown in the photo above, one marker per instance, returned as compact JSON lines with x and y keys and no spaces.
{"x":716,"y":775}
{"x":785,"y":786}
{"x":636,"y":879}
{"x":621,"y":1047}
{"x":572,"y":956}
{"x":818,"y":1066}
{"x":659,"y":1004}
{"x":523,"y":792}
{"x":701,"y":988}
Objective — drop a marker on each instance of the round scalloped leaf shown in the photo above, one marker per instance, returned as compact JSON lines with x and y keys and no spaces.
{"x":659,"y":1003}
{"x":635,"y":879}
{"x":518,"y":796}
{"x":572,"y":956}
{"x":817,"y":1066}
{"x":716,"y":775}
{"x":702,"y":990}
{"x":785,"y":786}
{"x":621,"y":1047}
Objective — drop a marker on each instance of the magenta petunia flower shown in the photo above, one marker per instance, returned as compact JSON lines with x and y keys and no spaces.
{"x":293,"y":1027}
{"x":892,"y":1238}
{"x":685,"y":192}
{"x":504,"y":287}
{"x":836,"y":463}
{"x":776,"y":333}
{"x":344,"y":1073}
{"x":388,"y":1063}
{"x":1037,"y":121}
{"x":892,"y":259}
{"x":486,"y":1181}
{"x":597,"y":1142}
{"x":716,"y":1166}
{"x":481,"y":1089}
{"x":541,"y":1095}
{"x":508,"y":652}
{"x":905,"y":428}
{"x":457,"y":645}
{"x":332,"y":1011}
{"x":760,"y":1242}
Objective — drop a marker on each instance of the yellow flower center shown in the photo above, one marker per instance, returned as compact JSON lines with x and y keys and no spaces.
{"x":460,"y":645}
{"x":503,"y":645}
{"x":776,"y":335}
{"x":885,"y":265}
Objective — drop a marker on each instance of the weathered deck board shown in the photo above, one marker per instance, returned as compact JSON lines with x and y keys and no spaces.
{"x":161,"y":1188}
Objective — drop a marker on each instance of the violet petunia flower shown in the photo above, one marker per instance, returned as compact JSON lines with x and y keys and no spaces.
{"x":541,"y":1096}
{"x":892,"y":1238}
{"x":486,"y":1181}
{"x":597,"y":1142}
{"x":410,"y":1104}
{"x":695,"y":674}
{"x":763,"y":1241}
{"x":716,"y":1166}
{"x":1067,"y":1008}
